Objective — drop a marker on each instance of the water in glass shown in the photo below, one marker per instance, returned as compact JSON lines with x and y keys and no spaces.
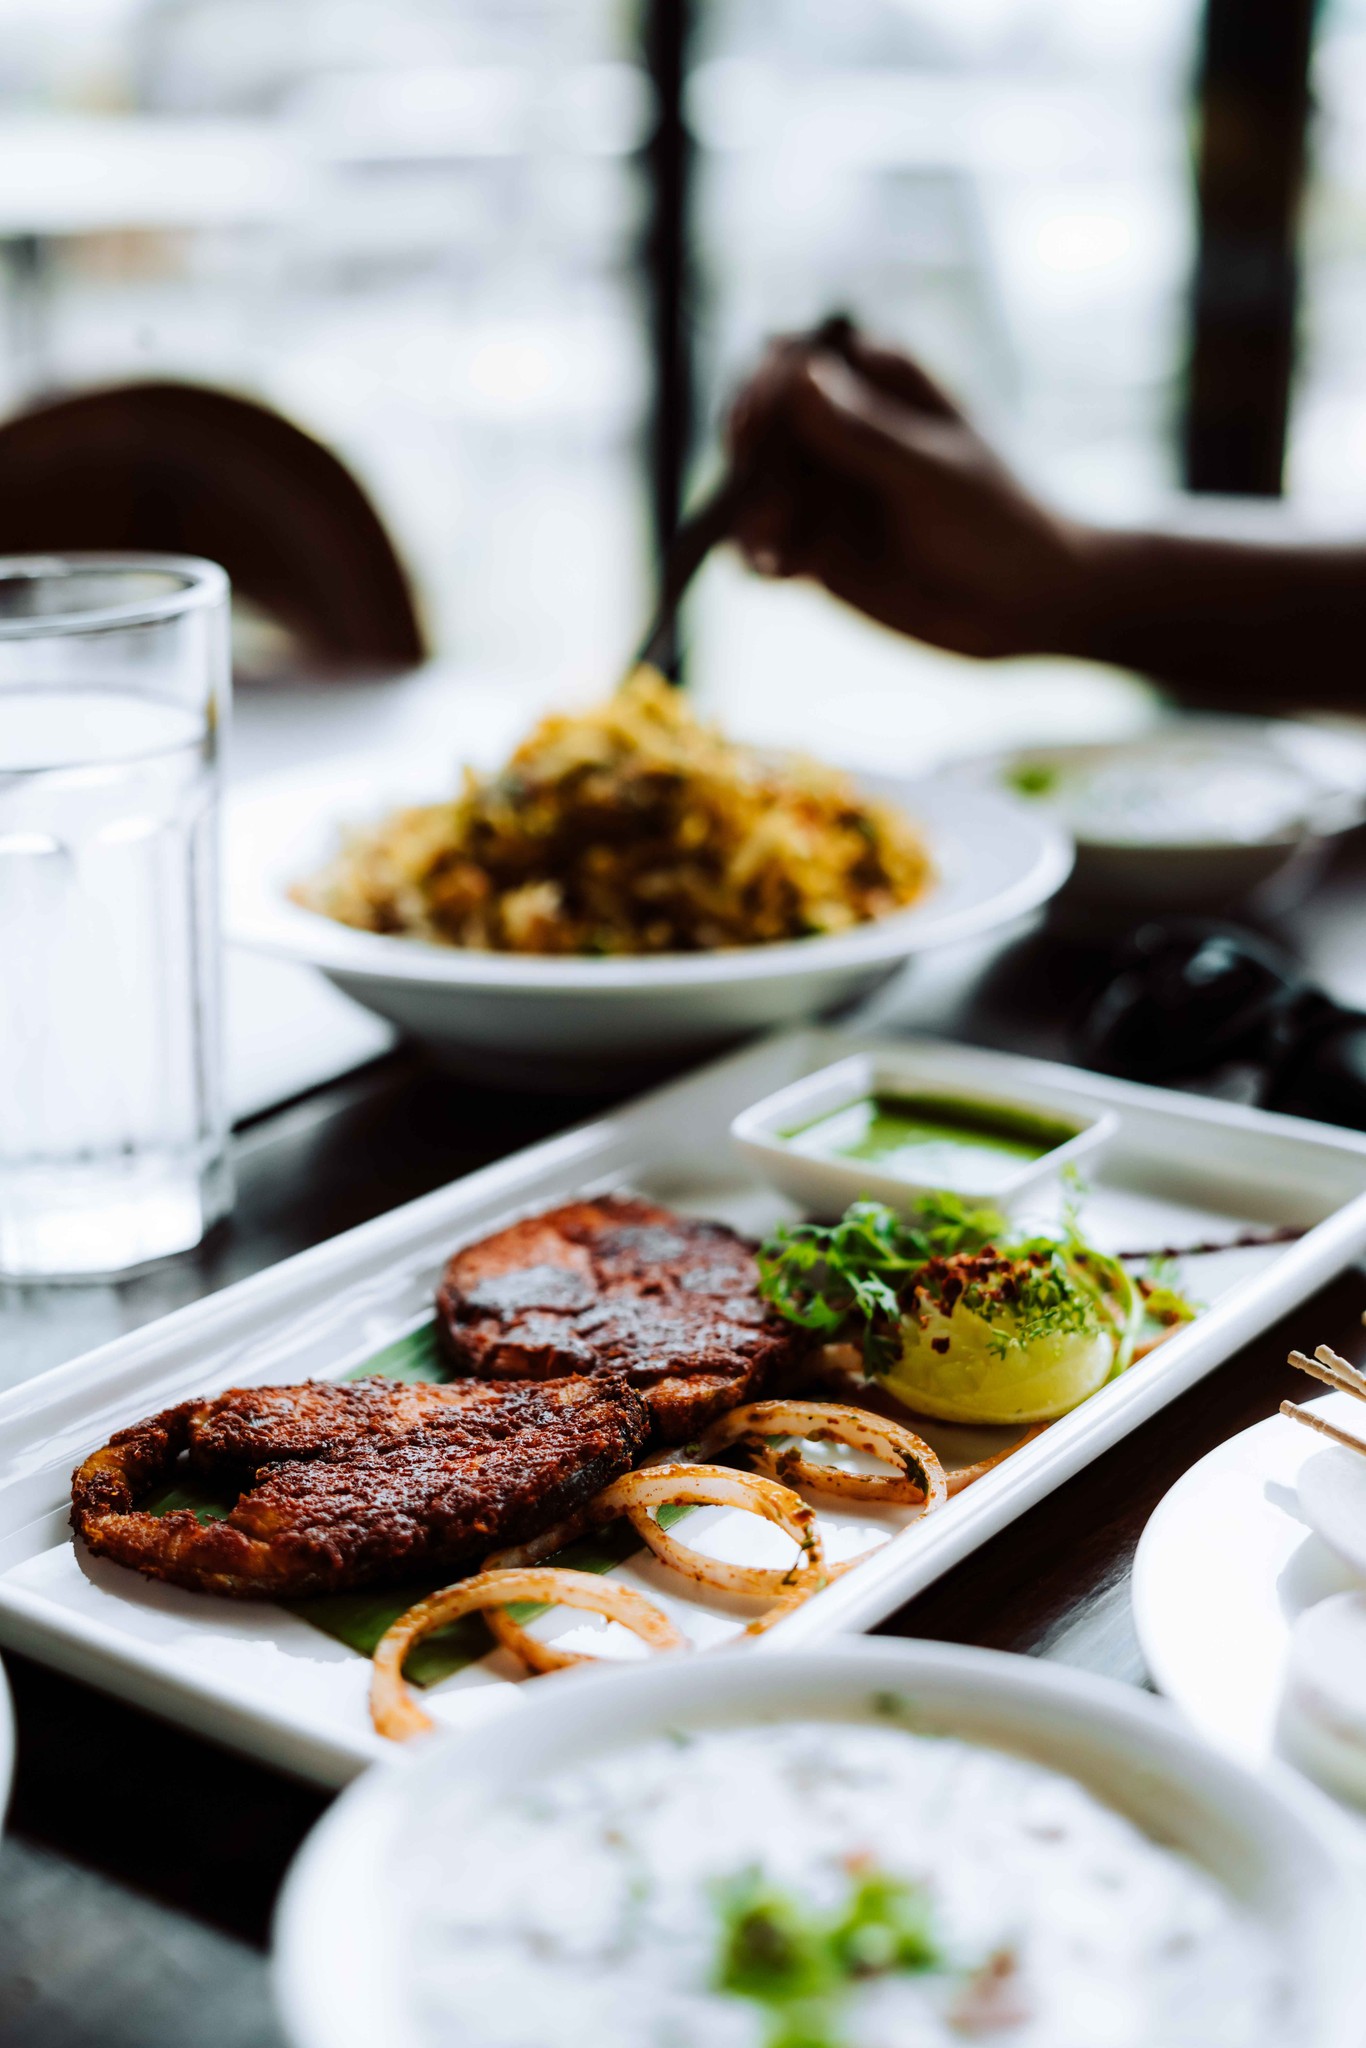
{"x":111,"y":1119}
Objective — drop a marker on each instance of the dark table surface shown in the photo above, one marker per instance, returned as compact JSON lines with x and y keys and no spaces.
{"x":141,"y":1865}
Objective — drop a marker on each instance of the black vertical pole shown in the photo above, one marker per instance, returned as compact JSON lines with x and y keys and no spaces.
{"x":666,"y":28}
{"x":1254,"y":113}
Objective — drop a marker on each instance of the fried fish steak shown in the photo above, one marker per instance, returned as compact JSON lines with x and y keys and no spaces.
{"x":371,"y":1482}
{"x":620,"y":1284}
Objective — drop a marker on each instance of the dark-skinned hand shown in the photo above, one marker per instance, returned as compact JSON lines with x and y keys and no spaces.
{"x":867,"y":478}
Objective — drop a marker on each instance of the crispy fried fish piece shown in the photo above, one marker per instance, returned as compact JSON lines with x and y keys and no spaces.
{"x":367,"y":1483}
{"x":621,"y":1284}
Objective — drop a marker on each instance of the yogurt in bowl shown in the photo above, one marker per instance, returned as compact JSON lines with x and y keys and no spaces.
{"x":882,"y":1845}
{"x":1195,"y":814}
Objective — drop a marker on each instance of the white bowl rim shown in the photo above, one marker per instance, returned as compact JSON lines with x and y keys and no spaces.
{"x":285,"y":928}
{"x":306,"y":1912}
{"x":1239,"y":734}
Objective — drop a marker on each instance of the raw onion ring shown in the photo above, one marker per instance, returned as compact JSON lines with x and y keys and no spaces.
{"x":396,"y":1713}
{"x":835,"y":1422}
{"x":637,"y":1493}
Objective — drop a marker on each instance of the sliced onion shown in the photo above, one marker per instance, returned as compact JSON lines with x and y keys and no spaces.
{"x":835,"y":1422}
{"x":965,"y":1475}
{"x":392,"y":1707}
{"x":623,"y":1604}
{"x":638,"y":1494}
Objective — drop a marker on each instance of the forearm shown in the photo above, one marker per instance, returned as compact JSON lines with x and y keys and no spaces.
{"x":1227,"y":622}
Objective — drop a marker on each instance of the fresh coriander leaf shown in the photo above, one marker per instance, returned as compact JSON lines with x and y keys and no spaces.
{"x":772,"y":1950}
{"x":886,"y":1926}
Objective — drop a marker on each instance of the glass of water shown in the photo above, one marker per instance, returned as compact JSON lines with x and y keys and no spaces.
{"x":114,"y":687}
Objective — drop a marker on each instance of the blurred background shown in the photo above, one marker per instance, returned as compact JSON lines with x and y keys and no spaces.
{"x":505,"y":259}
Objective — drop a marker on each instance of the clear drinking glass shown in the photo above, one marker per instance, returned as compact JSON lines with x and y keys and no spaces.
{"x":114,"y":688}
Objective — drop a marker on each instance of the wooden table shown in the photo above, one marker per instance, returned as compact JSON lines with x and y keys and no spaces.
{"x":139,"y":1874}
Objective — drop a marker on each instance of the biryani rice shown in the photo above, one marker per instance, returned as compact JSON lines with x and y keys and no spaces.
{"x":625,"y":829}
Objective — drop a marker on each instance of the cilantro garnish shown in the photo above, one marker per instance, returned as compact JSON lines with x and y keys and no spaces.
{"x":848,"y":1279}
{"x":1164,"y":1301}
{"x":855,"y":1280}
{"x":1032,"y":778}
{"x":800,"y":1964}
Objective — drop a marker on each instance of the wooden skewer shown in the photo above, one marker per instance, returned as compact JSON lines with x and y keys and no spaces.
{"x":1328,"y":1374}
{"x":1312,"y":1421}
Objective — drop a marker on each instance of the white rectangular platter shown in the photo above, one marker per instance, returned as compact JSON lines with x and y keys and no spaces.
{"x":1181,"y":1171}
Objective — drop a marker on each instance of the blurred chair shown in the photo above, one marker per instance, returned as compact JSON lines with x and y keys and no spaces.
{"x":181,"y":469}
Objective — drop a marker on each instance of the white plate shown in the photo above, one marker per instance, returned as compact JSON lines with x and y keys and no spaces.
{"x":1224,"y":1569}
{"x":1179,"y":1170}
{"x":1263,"y":1841}
{"x":557,"y":1021}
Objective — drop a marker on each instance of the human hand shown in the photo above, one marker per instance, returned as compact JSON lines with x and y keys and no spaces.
{"x":865,"y":477}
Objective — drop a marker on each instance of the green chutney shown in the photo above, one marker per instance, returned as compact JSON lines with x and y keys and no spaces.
{"x":938,"y":1141}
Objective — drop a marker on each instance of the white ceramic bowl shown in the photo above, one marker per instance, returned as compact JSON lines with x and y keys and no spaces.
{"x":562,"y":1021}
{"x":826,"y":1186}
{"x":1312,"y":781}
{"x":339,"y":1941}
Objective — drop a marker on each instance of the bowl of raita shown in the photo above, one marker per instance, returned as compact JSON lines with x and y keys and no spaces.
{"x":863,"y":1847}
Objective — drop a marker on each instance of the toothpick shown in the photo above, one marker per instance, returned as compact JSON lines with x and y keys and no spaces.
{"x":1312,"y":1421}
{"x":1328,"y":1374}
{"x":1353,"y":1373}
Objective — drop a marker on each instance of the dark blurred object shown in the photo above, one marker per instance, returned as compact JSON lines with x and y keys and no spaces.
{"x":1254,"y":111}
{"x":1187,"y":996}
{"x":668,"y":269}
{"x":181,"y":469}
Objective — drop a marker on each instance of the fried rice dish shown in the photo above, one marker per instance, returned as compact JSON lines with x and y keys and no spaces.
{"x":629,"y":828}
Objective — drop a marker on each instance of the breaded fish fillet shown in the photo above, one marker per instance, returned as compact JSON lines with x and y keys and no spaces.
{"x":366,"y":1483}
{"x":618,"y":1285}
